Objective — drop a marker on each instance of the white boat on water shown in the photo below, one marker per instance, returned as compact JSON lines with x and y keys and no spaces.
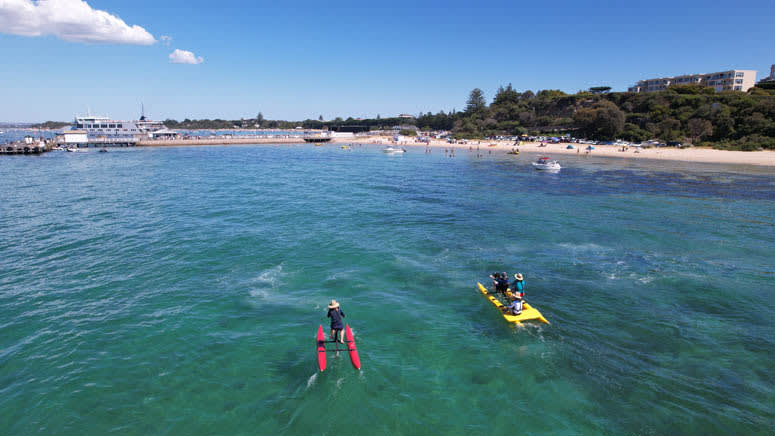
{"x":391,"y":149}
{"x":543,"y":163}
{"x":77,"y":150}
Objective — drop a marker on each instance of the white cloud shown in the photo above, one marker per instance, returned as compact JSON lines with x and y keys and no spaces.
{"x":71,"y":20}
{"x":184,"y":57}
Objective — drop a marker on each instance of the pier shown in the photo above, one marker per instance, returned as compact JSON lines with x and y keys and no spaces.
{"x":26,"y":147}
{"x":314,"y":139}
{"x":236,"y":140}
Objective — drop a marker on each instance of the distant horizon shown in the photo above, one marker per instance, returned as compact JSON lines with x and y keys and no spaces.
{"x":203,"y":60}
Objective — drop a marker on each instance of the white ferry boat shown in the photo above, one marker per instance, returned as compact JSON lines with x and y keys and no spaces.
{"x":113,"y":130}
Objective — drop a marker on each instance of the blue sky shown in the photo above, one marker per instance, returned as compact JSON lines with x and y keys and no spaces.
{"x":297,"y":60}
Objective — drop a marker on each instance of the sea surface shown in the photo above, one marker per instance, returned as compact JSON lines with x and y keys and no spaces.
{"x":16,"y":134}
{"x":178,"y":290}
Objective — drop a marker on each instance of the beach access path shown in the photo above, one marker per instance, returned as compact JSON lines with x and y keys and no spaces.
{"x":689,"y":154}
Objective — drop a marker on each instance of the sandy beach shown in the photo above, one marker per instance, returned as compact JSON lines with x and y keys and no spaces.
{"x":693,"y":154}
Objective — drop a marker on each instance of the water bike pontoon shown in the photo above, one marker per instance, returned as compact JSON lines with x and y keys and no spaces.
{"x":349,"y":346}
{"x":529,"y":313}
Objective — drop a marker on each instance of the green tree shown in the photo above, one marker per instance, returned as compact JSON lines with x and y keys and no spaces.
{"x":476,"y":102}
{"x":506,"y":96}
{"x":260,"y":118}
{"x":670,"y":129}
{"x":699,"y":128}
{"x":550,"y":94}
{"x":603,"y":121}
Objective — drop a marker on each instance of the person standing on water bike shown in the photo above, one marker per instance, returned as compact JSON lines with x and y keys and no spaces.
{"x":518,"y":285}
{"x":336,"y":315}
{"x":501,"y":282}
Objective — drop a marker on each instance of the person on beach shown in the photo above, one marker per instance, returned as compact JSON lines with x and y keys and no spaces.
{"x":518,"y":285}
{"x":515,"y":308}
{"x":336,"y":315}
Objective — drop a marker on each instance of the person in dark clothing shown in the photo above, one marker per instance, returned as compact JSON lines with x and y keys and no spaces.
{"x":495,"y":276}
{"x":499,"y":281}
{"x":502,"y":283}
{"x":336,"y":315}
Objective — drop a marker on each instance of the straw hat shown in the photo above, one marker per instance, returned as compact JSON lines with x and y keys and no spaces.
{"x":518,"y":276}
{"x":333,"y":305}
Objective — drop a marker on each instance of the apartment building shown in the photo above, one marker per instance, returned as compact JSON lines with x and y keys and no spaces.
{"x":732,"y":80}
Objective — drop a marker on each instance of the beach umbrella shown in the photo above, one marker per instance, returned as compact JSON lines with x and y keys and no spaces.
{"x":590,"y":148}
{"x":569,"y":147}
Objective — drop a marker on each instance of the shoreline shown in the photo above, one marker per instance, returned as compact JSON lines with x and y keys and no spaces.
{"x":692,"y":154}
{"x":764,"y":158}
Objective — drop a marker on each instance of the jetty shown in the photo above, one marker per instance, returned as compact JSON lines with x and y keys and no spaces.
{"x":317,"y":139}
{"x":218,"y":140}
{"x":28,"y":146}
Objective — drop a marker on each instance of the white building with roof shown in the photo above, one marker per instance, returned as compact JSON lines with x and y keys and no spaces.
{"x":731,"y":80}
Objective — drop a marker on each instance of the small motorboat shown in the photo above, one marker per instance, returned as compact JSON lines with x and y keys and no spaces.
{"x":77,"y":150}
{"x":543,"y":163}
{"x":103,"y":150}
{"x":391,"y":149}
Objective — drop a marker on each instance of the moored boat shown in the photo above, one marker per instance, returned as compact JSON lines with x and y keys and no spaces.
{"x":543,"y":163}
{"x":391,"y":149}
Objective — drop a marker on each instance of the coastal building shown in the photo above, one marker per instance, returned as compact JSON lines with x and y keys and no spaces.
{"x":771,"y":77}
{"x":164,"y":134}
{"x":74,"y":138}
{"x":406,"y":116}
{"x":731,"y":80}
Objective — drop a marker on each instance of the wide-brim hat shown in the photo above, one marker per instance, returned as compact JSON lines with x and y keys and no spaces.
{"x":518,"y":276}
{"x":333,"y":304}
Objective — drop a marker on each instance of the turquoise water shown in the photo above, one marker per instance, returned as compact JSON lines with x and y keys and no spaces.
{"x":178,"y":291}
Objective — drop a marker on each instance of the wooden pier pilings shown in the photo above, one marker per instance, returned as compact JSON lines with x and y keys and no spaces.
{"x":24,"y":148}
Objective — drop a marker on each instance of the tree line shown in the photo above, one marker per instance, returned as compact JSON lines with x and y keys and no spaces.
{"x":688,"y":113}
